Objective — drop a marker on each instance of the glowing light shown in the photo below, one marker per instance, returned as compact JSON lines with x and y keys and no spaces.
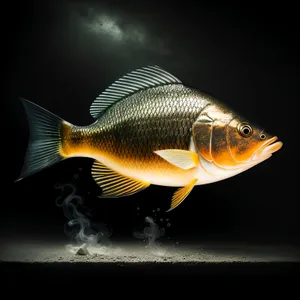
{"x":117,"y":28}
{"x":109,"y":26}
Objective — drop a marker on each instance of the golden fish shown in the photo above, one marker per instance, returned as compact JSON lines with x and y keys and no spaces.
{"x":150,"y":129}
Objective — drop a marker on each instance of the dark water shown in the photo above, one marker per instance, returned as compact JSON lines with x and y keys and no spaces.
{"x":63,"y":54}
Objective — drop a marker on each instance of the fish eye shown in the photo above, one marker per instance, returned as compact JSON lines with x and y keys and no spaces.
{"x":245,"y":130}
{"x":262,"y":136}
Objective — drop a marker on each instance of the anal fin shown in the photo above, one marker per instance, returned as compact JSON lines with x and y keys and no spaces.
{"x":114,"y":184}
{"x":181,"y":194}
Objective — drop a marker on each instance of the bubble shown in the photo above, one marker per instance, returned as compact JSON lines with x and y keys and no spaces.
{"x":168,"y":224}
{"x":158,"y":209}
{"x":75,"y":176}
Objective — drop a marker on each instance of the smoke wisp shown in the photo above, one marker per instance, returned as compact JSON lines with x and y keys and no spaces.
{"x":151,"y":234}
{"x":92,"y":238}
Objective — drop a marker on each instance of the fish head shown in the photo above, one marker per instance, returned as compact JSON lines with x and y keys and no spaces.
{"x":230,"y":141}
{"x":250,"y":144}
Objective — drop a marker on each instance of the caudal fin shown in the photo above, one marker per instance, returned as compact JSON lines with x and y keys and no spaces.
{"x":44,"y":139}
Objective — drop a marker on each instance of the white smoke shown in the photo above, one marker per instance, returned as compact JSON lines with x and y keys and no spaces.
{"x":94,"y":239}
{"x":91,"y":238}
{"x":151,"y":234}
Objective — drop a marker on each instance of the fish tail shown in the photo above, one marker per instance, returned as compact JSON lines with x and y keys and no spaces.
{"x":45,"y":139}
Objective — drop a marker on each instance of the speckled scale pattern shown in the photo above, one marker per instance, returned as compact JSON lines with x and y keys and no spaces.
{"x":153,"y":119}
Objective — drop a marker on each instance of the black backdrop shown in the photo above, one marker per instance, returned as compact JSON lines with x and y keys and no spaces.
{"x":61,"y":55}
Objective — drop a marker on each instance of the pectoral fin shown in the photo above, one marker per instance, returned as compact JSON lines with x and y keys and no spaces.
{"x":180,"y":158}
{"x":114,"y":184}
{"x":181,"y":194}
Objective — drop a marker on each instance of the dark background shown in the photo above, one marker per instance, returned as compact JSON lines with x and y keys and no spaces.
{"x":62,"y":54}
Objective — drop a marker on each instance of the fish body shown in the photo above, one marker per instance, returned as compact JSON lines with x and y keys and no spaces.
{"x":126,"y":137}
{"x":150,"y":128}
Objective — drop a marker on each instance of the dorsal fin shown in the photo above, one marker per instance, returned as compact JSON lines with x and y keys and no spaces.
{"x":137,"y":80}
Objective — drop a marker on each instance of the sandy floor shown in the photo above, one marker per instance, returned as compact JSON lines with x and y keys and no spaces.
{"x":136,"y":253}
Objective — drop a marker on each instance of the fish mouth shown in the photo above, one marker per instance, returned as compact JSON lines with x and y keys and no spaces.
{"x":266,"y":150}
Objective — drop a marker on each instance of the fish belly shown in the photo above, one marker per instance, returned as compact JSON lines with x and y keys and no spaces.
{"x":156,"y":171}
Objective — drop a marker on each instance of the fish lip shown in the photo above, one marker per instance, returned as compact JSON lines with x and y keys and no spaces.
{"x":267,"y":148}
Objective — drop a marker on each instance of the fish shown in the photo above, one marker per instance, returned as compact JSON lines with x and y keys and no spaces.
{"x":149,"y":128}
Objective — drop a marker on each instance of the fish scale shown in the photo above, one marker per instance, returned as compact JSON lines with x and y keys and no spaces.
{"x":134,"y":128}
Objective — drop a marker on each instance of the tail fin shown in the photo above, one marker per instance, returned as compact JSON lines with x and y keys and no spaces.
{"x":44,"y":139}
